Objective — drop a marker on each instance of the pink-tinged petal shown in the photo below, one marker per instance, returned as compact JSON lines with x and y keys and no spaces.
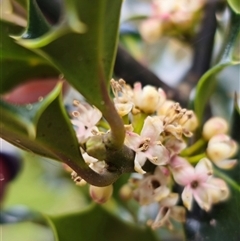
{"x":183,"y":172}
{"x":226,"y":164}
{"x":158,"y":155}
{"x":132,"y":140}
{"x":187,"y":197}
{"x":178,"y":213}
{"x":175,"y":146}
{"x":163,"y":174}
{"x":170,"y":200}
{"x":152,"y":128}
{"x":204,"y":169}
{"x":202,"y":198}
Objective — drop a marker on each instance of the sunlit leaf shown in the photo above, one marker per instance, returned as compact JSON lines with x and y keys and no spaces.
{"x":235,"y":5}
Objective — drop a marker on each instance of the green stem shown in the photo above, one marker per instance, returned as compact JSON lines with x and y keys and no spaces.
{"x":228,"y":180}
{"x":117,"y":136}
{"x":193,"y":148}
{"x":196,"y":159}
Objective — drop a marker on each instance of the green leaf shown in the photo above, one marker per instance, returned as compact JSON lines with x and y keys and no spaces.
{"x":235,"y":5}
{"x":207,"y":83}
{"x":96,"y":223}
{"x":37,"y":24}
{"x":16,"y":59}
{"x":83,"y":53}
{"x":221,"y":224}
{"x":34,"y":127}
{"x":41,"y":186}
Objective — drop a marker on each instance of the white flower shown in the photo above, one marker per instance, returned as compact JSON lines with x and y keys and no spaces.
{"x":86,"y":118}
{"x":147,"y":144}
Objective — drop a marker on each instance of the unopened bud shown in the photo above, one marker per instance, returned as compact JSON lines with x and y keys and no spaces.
{"x":126,"y":192}
{"x":192,"y":123}
{"x":147,"y":100}
{"x":220,"y":148}
{"x":214,"y":126}
{"x":101,"y":194}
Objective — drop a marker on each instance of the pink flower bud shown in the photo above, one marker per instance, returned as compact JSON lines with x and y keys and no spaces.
{"x":214,"y":126}
{"x":220,"y":148}
{"x":101,"y":194}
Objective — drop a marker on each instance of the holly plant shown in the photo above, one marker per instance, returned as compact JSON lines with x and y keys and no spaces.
{"x":137,"y":156}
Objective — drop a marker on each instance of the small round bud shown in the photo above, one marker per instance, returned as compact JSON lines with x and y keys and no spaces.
{"x":101,"y":194}
{"x":221,"y":147}
{"x":214,"y":126}
{"x":126,"y":192}
{"x":147,"y":99}
{"x":192,"y":123}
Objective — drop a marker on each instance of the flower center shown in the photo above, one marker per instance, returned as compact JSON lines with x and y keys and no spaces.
{"x":144,"y":145}
{"x":194,"y":184}
{"x":155,"y":184}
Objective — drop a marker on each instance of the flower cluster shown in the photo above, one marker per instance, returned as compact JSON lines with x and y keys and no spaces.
{"x":158,"y":130}
{"x":171,"y":17}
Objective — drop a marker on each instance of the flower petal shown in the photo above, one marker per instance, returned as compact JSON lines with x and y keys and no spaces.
{"x":226,"y":164}
{"x":202,"y":198}
{"x":218,"y":191}
{"x":160,"y":193}
{"x":158,"y":155}
{"x":132,"y":140}
{"x":178,"y":213}
{"x":170,"y":200}
{"x":204,"y":169}
{"x":183,"y":172}
{"x":152,"y":128}
{"x":139,"y":161}
{"x":187,"y":197}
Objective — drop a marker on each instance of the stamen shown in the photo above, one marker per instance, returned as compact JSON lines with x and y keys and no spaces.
{"x":76,"y":102}
{"x":75,"y":113}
